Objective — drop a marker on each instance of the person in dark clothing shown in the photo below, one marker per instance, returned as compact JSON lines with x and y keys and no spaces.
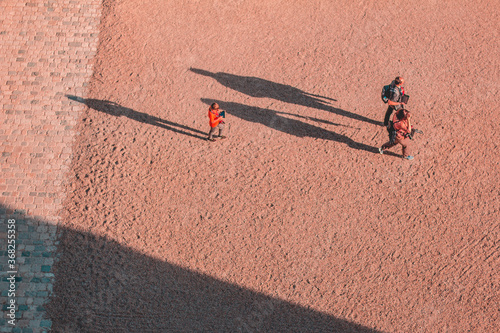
{"x":395,"y":103}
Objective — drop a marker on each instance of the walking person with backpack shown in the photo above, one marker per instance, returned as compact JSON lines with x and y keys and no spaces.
{"x":400,"y":132}
{"x":394,"y":96}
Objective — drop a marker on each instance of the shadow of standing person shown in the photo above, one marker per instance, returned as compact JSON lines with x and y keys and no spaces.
{"x":274,"y":120}
{"x":117,"y":110}
{"x":257,"y":87}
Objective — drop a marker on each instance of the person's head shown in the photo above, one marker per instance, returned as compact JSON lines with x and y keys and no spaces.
{"x":399,"y":81}
{"x":214,"y":106}
{"x":402,"y":113}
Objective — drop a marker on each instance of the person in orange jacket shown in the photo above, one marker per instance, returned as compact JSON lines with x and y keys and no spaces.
{"x":216,"y":121}
{"x":401,"y":123}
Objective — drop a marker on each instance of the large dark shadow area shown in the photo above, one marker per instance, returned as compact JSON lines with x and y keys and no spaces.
{"x":277,"y":120}
{"x":257,"y":87}
{"x":117,"y":110}
{"x":103,"y":286}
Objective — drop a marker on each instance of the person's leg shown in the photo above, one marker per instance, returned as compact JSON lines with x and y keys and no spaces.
{"x":211,"y":133}
{"x":388,"y":115}
{"x":221,"y":130}
{"x":387,"y":145}
{"x":406,"y":144}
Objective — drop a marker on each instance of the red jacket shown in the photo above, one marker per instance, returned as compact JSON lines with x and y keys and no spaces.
{"x":214,"y":117}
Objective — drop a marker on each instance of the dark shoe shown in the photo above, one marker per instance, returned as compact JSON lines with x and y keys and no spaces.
{"x":222,"y":137}
{"x":211,"y":139}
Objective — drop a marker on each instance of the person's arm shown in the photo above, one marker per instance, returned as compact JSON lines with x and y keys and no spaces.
{"x":405,"y":127}
{"x":219,"y":117}
{"x":394,"y":103}
{"x":401,"y":127}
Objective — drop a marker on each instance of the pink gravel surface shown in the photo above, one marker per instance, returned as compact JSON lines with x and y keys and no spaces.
{"x":295,"y":222}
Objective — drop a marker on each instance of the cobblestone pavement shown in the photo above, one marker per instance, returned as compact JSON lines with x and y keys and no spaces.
{"x":47,"y":49}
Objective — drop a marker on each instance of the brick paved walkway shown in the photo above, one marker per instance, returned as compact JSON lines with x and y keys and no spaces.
{"x":47,"y":49}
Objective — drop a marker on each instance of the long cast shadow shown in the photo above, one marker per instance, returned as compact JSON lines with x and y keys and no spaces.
{"x":275,"y":120}
{"x":318,"y":120}
{"x":100,"y":285}
{"x":117,"y":110}
{"x":257,"y":87}
{"x":103,"y":286}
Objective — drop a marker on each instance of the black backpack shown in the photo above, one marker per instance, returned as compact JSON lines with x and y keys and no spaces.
{"x":386,"y":93}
